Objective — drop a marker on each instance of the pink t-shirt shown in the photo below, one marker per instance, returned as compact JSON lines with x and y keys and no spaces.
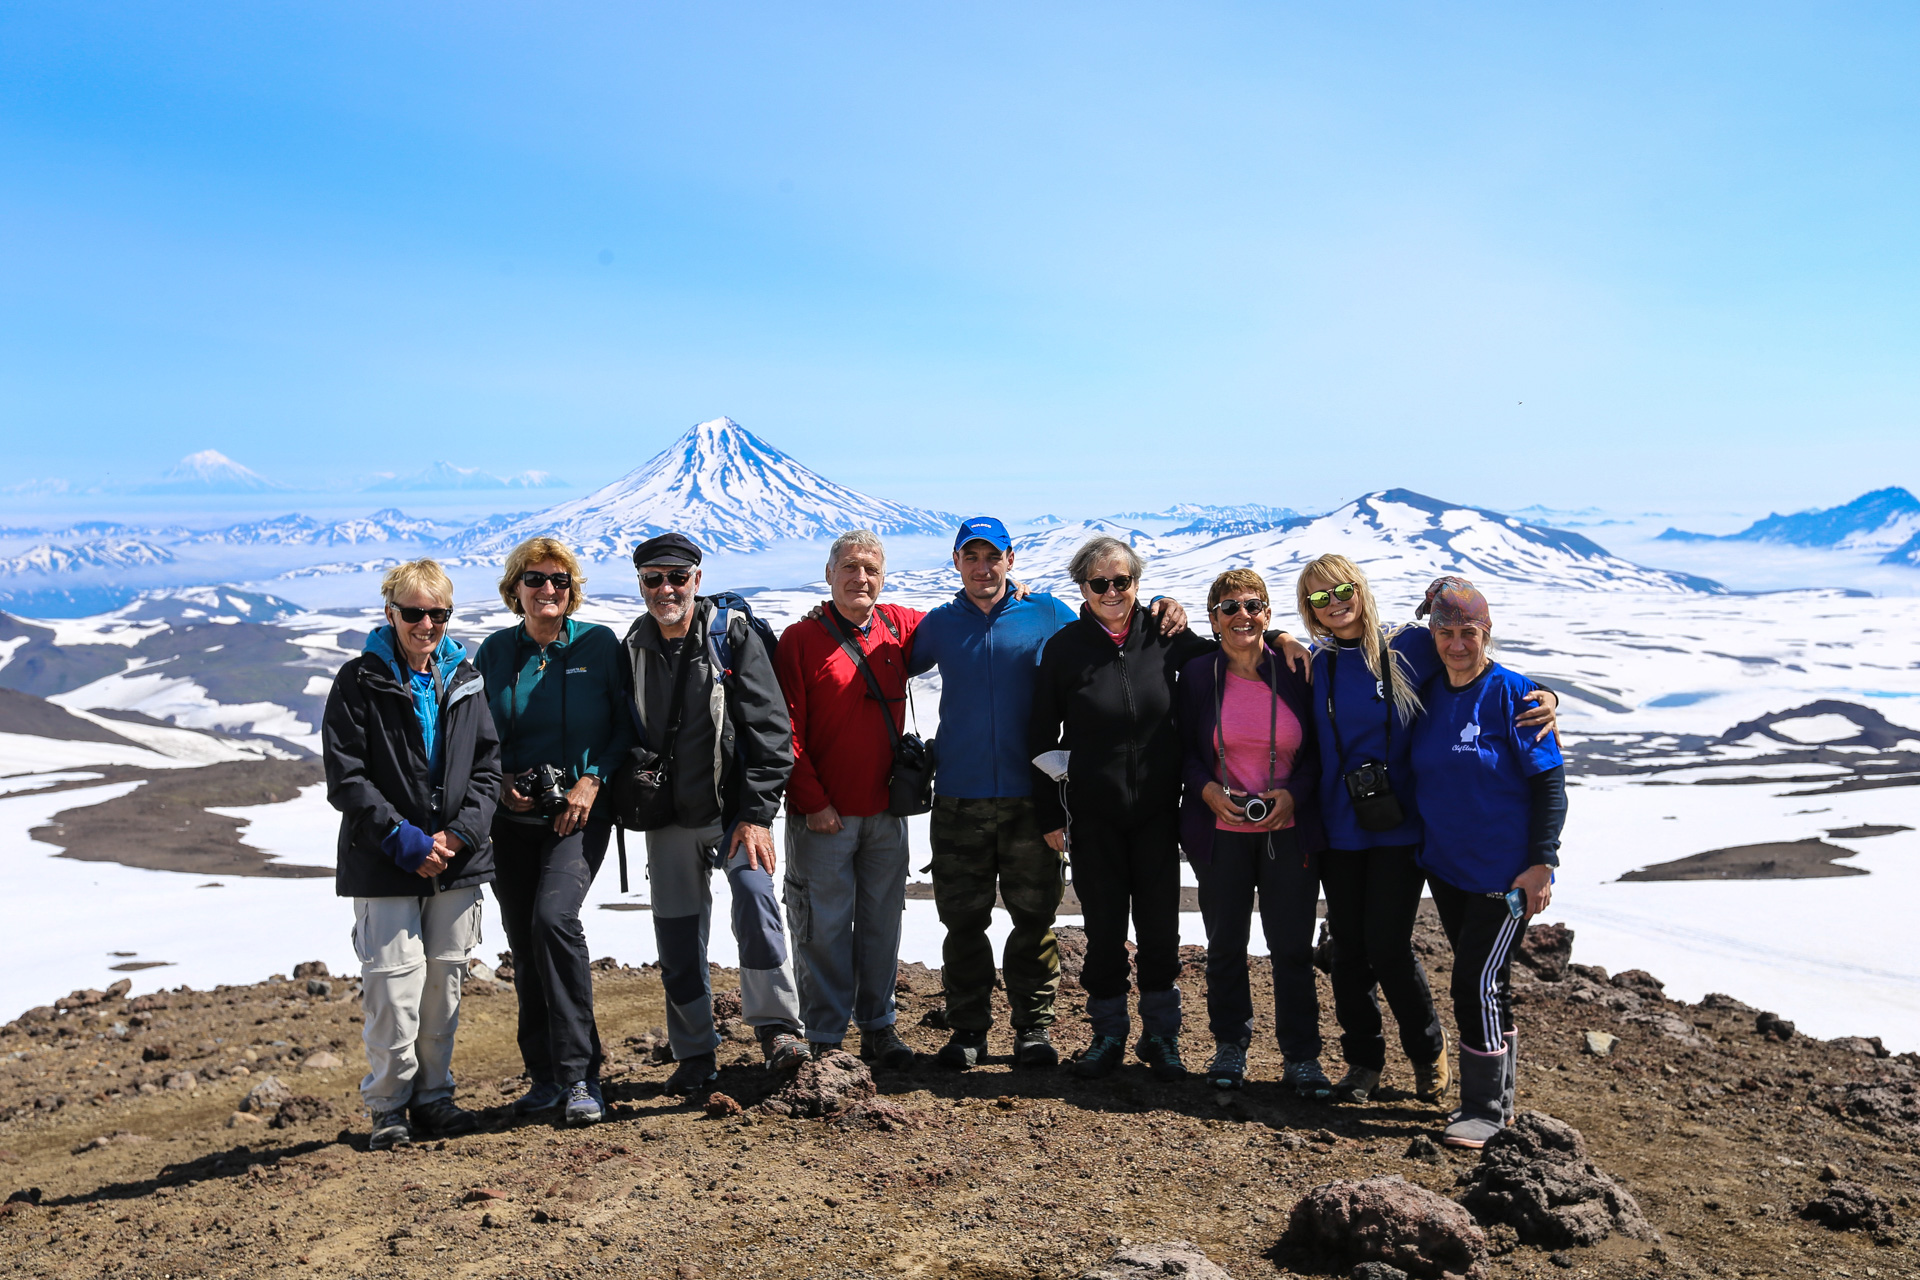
{"x":1248,"y":710}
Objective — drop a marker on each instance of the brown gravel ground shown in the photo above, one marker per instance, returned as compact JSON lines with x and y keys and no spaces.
{"x":1002,"y":1173}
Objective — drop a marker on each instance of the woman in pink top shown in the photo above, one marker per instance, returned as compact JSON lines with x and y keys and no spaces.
{"x":1250,"y":820}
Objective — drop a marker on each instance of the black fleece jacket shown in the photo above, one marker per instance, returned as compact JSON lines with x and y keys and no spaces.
{"x":377,"y":774}
{"x":1112,"y":708}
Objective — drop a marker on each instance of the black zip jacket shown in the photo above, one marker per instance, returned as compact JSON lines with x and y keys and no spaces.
{"x":734,"y":750}
{"x":377,"y":776}
{"x":1112,"y":707}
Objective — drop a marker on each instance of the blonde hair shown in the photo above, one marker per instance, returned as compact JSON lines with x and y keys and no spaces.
{"x":532,"y":552}
{"x":417,"y":575}
{"x":1334,"y":570}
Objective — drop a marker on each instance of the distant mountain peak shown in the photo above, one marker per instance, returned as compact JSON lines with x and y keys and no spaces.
{"x":1883,"y":520}
{"x":210,"y":471}
{"x":724,"y":487}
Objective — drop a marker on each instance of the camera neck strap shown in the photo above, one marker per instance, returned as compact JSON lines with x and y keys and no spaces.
{"x":842,"y":631}
{"x":1220,"y":674}
{"x":1386,"y":686}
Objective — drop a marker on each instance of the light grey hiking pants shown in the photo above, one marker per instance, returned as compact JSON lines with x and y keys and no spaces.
{"x":413,"y":961}
{"x":846,"y":896}
{"x":680,"y":863}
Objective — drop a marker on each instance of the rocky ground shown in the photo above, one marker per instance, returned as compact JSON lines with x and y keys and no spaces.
{"x":1709,"y":1131}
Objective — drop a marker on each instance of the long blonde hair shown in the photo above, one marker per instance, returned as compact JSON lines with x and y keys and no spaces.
{"x":1332,"y":570}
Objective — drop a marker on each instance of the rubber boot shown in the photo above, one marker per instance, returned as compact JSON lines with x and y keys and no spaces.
{"x":1483,"y":1083}
{"x":1513,"y":1072}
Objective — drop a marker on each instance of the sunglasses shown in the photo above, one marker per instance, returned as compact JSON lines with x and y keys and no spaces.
{"x":1100,"y":586}
{"x":562,"y":581}
{"x":678,"y":577}
{"x":1342,"y":593}
{"x":1254,"y":608}
{"x":409,"y":614}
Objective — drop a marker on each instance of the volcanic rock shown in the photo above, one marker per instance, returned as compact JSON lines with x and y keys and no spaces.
{"x":1773,"y":1025}
{"x":1535,"y":1176}
{"x":268,"y":1095}
{"x":299,"y":1109}
{"x":1546,"y":949}
{"x":1387,"y":1220}
{"x":1848,"y":1206}
{"x":1174,"y":1258}
{"x":823,"y":1087}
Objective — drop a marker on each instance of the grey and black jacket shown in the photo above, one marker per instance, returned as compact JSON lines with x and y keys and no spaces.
{"x":734,"y":749}
{"x":378,"y":775}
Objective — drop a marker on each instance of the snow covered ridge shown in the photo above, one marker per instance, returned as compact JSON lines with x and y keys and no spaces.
{"x":722,"y":486}
{"x":102,"y":553}
{"x":1885,"y":520}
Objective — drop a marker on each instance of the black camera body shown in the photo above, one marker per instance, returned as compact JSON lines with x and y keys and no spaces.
{"x":546,"y":786}
{"x":1375,"y":807}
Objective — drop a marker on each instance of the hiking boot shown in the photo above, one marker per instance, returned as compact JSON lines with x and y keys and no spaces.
{"x":692,"y":1075}
{"x":963,"y":1049}
{"x":884,"y":1046}
{"x":1306,"y":1078}
{"x":584,"y":1105}
{"x":1162,"y":1055}
{"x":1432,"y":1080}
{"x":442,"y":1119}
{"x":1100,"y":1058}
{"x":390,"y":1130}
{"x":1033,"y":1047}
{"x":821,"y":1048}
{"x":1229,"y":1068}
{"x":783,"y":1048}
{"x":1357,"y":1085}
{"x":541,"y":1095}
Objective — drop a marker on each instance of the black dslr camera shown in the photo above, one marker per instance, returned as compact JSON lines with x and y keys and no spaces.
{"x":546,"y":786}
{"x":1375,"y":807}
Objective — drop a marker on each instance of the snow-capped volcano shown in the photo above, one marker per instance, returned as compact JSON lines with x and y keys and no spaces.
{"x":722,"y":486}
{"x":1396,"y":536}
{"x":210,"y":471}
{"x":1883,"y":520}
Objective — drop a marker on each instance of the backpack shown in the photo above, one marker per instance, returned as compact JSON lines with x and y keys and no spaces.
{"x":720,"y":645}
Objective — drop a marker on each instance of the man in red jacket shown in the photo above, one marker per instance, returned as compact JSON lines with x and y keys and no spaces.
{"x":846,"y":855}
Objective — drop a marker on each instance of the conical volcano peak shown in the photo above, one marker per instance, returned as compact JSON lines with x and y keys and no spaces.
{"x":727,"y":489}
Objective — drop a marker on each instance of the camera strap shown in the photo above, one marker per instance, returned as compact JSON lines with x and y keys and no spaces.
{"x":1220,"y":729}
{"x":1333,"y":679}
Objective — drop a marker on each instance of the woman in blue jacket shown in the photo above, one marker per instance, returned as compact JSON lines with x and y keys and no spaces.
{"x":1370,"y":871}
{"x":1494,"y":799}
{"x":559,"y":693}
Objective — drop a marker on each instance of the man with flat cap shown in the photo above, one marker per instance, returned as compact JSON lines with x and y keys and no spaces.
{"x":708,"y":701}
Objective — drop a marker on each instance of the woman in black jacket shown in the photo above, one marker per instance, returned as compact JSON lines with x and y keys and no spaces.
{"x":1105,"y":694}
{"x":1250,"y":820}
{"x":413,"y":765}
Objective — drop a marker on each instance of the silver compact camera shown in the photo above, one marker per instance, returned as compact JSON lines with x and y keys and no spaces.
{"x":1256,"y":809}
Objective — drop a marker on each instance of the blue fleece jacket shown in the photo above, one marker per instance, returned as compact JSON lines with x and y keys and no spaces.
{"x":425,"y":686}
{"x":987,"y":663}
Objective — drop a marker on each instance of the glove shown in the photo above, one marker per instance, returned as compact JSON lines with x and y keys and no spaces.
{"x":408,"y":846}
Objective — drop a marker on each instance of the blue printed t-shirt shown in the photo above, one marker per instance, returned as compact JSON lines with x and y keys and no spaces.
{"x":1360,"y":706}
{"x":1473,"y":764}
{"x":988,"y":664}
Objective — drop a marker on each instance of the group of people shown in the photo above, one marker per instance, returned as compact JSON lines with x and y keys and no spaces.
{"x":1092,"y":745}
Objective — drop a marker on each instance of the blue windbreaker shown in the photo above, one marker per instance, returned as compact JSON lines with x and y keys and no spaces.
{"x":987,"y":666}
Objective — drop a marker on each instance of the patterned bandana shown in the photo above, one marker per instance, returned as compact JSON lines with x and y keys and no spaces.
{"x":1454,"y":602}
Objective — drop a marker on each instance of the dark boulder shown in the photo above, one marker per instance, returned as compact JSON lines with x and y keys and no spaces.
{"x":823,"y":1087}
{"x":1535,"y":1176}
{"x":1387,"y":1220}
{"x":1546,"y":949}
{"x":1890,"y":1110}
{"x":1848,"y":1206}
{"x":1773,"y":1026}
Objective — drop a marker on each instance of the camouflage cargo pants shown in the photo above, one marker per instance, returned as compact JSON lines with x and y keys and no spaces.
{"x":981,"y":847}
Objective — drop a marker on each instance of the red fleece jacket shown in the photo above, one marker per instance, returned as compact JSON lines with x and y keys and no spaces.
{"x":842,"y":752}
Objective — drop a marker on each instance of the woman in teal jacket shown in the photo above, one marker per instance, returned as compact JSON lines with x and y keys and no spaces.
{"x":559,"y":693}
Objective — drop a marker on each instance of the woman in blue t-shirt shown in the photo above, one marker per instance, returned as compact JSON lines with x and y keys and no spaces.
{"x":1493,"y":802}
{"x":1370,"y":870}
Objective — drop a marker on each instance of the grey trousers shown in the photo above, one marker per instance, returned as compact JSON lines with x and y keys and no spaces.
{"x":413,"y":962}
{"x":846,"y":895}
{"x":680,"y":863}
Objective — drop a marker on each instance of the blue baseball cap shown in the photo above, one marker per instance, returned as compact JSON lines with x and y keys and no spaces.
{"x":983,"y":529}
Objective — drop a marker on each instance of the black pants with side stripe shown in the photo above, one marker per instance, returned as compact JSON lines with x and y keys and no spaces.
{"x":1484,"y":937}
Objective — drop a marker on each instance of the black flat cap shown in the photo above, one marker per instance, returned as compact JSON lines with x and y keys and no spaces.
{"x":668,"y":548}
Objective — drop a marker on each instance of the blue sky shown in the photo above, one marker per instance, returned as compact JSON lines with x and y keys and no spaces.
{"x":1065,"y":257}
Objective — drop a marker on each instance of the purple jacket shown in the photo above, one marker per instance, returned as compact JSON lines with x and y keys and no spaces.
{"x":1197,"y":728}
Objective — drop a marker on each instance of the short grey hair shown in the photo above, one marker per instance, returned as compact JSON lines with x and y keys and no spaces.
{"x":856,"y":538}
{"x":1094,"y":550}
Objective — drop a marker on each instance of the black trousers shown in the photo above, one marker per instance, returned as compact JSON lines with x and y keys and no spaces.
{"x":1123,"y":868}
{"x":1484,"y":935}
{"x":1373,"y":896}
{"x":540,"y":881}
{"x":1289,"y":887}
